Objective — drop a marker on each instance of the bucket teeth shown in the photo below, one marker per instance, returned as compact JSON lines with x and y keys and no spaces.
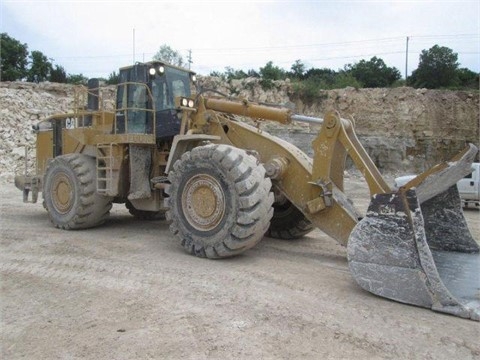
{"x":414,"y":245}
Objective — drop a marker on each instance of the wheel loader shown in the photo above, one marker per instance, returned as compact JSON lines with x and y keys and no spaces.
{"x":167,"y":151}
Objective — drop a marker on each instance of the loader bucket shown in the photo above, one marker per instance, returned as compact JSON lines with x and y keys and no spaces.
{"x":414,"y":245}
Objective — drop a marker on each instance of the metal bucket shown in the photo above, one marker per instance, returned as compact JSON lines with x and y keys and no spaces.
{"x":414,"y":245}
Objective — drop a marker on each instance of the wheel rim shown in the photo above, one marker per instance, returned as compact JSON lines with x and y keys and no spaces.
{"x":203,"y":202}
{"x":62,"y":193}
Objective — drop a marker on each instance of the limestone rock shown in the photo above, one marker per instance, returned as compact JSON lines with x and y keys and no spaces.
{"x":403,"y":129}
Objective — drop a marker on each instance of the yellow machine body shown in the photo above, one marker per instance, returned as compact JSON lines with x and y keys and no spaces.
{"x":223,"y":184}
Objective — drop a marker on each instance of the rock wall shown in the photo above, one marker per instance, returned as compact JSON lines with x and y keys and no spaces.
{"x":403,"y":129}
{"x":23,"y":105}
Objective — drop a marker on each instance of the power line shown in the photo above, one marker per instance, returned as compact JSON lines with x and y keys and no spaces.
{"x":298,"y":46}
{"x":199,"y":51}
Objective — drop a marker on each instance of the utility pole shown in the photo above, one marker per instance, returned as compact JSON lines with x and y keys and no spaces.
{"x":189,"y":59}
{"x":406,"y":60}
{"x":134,"y":46}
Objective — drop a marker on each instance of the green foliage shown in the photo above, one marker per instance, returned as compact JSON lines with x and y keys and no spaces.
{"x":40,"y":67}
{"x":58,"y":74}
{"x":399,"y":83}
{"x":467,"y":79}
{"x":168,"y":55}
{"x":232,"y":74}
{"x":271,"y":72}
{"x":215,"y":74}
{"x":13,"y":58}
{"x":325,"y":78}
{"x":113,"y":78}
{"x":373,"y":73}
{"x":77,"y":79}
{"x":365,"y":73}
{"x":309,"y":90}
{"x":437,"y":69}
{"x":344,"y":79}
{"x":298,"y":69}
{"x":266,"y":84}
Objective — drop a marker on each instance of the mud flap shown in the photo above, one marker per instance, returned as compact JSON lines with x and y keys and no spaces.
{"x":420,"y":252}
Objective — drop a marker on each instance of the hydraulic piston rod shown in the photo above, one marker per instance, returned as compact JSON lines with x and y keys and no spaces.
{"x":246,"y":108}
{"x":307,"y":119}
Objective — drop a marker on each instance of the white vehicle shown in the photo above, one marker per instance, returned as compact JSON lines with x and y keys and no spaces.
{"x":468,"y":187}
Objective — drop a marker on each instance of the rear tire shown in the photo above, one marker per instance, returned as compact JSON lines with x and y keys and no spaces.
{"x":70,"y":195}
{"x":220,"y":202}
{"x":288,"y":222}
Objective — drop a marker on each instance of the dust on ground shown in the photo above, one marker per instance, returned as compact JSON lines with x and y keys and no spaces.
{"x":127,"y":290}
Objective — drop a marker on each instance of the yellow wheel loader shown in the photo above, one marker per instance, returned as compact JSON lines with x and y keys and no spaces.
{"x":223,"y":185}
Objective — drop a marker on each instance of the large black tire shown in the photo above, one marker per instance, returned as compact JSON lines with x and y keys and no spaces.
{"x":288,"y":222}
{"x":220,"y":202}
{"x":69,"y":192}
{"x":144,"y":214}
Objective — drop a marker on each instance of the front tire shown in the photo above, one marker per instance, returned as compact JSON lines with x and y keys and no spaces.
{"x":70,"y":195}
{"x":220,"y":202}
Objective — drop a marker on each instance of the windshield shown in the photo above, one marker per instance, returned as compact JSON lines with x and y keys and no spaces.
{"x":168,"y":86}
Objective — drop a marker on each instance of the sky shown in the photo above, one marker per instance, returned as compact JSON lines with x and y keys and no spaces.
{"x":95,"y":38}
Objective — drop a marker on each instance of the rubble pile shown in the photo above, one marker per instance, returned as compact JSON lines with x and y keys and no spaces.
{"x":21,"y":106}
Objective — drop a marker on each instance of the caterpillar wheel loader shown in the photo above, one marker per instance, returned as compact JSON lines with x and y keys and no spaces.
{"x":224,"y":184}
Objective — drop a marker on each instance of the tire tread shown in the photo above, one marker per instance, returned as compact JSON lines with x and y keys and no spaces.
{"x":252,"y":190}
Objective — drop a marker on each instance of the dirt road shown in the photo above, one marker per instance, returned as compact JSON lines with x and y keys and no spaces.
{"x":127,"y":290}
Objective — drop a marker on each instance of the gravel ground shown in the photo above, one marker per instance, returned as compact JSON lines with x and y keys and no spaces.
{"x":127,"y":290}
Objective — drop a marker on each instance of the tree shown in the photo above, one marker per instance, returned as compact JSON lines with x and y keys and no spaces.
{"x":269,"y":73}
{"x":272,"y":72}
{"x":113,"y":78}
{"x":233,"y":74}
{"x":13,"y":58}
{"x":58,"y":74}
{"x":253,"y":73}
{"x":298,"y":69}
{"x":77,"y":79}
{"x":215,"y":73}
{"x":168,"y":55}
{"x":373,"y":73}
{"x":40,"y":67}
{"x":437,"y":68}
{"x":467,"y":78}
{"x":324,"y":78}
{"x":344,"y":79}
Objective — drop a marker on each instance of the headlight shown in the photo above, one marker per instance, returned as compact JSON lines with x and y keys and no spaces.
{"x":191,"y":103}
{"x":161,"y":69}
{"x":184,"y":102}
{"x":194,"y":78}
{"x":151,"y":71}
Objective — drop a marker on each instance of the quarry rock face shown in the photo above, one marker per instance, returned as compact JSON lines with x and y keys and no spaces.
{"x":404,"y":130}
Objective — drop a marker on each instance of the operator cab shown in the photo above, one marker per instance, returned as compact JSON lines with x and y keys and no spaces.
{"x":146,"y":98}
